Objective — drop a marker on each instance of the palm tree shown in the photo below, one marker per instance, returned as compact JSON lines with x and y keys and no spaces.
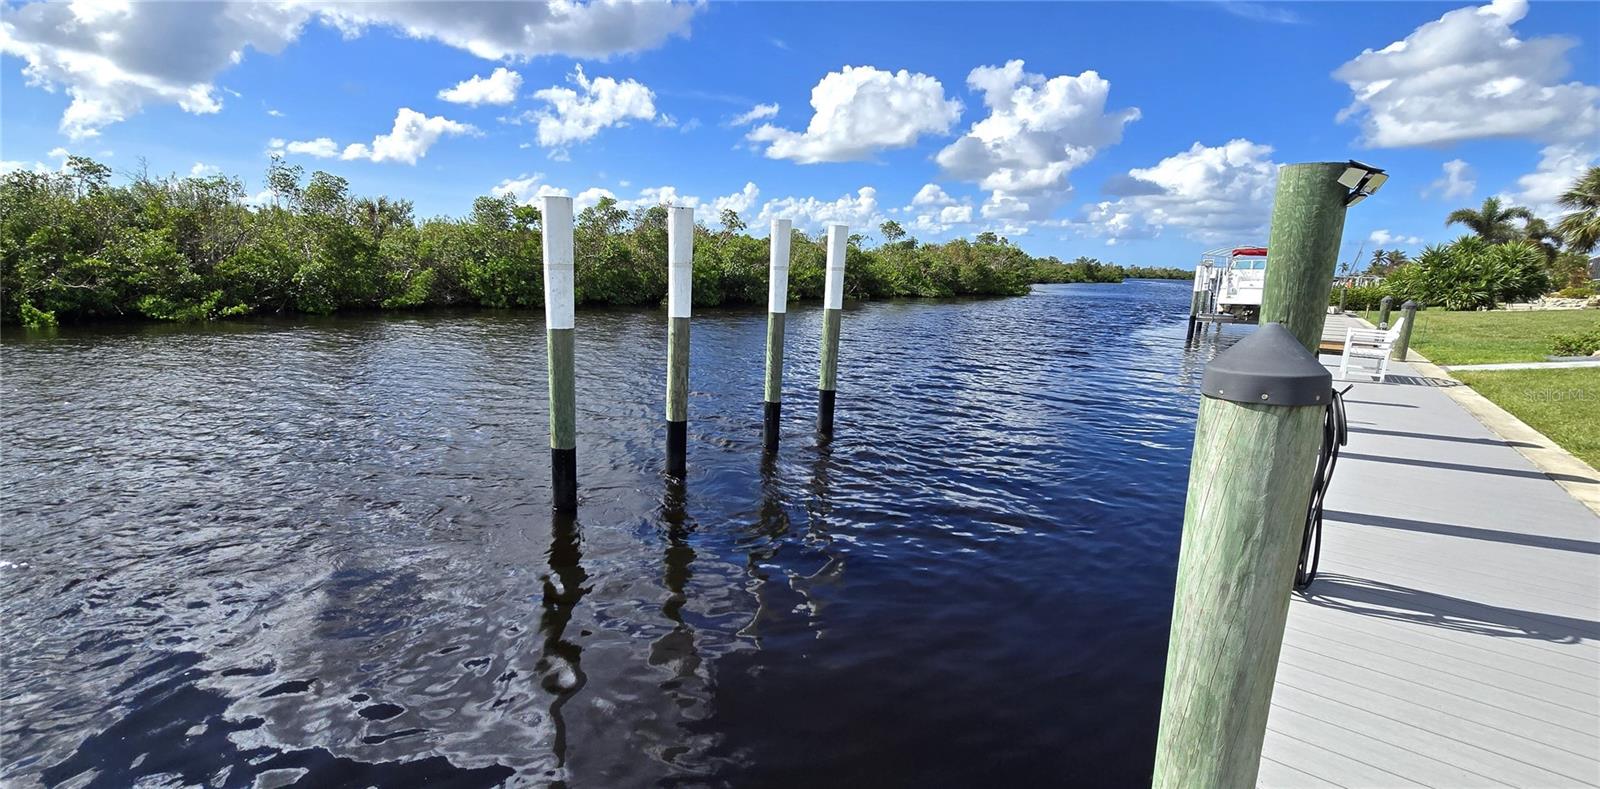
{"x":1539,"y":232}
{"x":1394,"y":259}
{"x":1581,"y":228}
{"x":1492,"y":222}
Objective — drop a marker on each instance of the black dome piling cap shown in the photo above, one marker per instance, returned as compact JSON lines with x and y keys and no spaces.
{"x":1269,"y":367}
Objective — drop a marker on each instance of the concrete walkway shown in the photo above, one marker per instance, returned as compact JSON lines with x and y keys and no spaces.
{"x":1453,"y":636}
{"x":1527,"y":365}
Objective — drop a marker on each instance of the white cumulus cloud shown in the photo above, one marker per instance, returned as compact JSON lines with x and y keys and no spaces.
{"x":575,"y":115}
{"x":321,"y":147}
{"x":410,"y":138}
{"x":756,"y":113}
{"x":858,"y":210}
{"x":499,"y":87}
{"x":1465,"y":76}
{"x":1457,"y":182}
{"x":1213,"y":194}
{"x":933,"y":210}
{"x":114,"y":58}
{"x":1383,"y":238}
{"x":1559,"y":166}
{"x":1037,"y":132}
{"x":413,"y":134}
{"x":861,"y":110}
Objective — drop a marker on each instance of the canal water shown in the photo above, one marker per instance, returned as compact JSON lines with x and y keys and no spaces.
{"x":322,"y":550}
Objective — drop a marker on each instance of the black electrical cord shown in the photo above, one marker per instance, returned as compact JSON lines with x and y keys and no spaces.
{"x":1335,"y":434}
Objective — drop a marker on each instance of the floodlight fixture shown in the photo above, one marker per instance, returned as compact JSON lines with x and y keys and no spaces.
{"x":1362,"y":180}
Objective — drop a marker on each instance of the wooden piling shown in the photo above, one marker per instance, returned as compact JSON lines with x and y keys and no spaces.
{"x":680,"y":294}
{"x":1402,"y":344}
{"x":1307,"y":222}
{"x":1255,"y":453}
{"x":832,"y":310}
{"x":1384,"y":305}
{"x":558,"y":319}
{"x":1344,"y":294}
{"x":777,"y":308}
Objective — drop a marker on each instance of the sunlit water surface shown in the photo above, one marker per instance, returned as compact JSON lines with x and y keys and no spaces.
{"x":322,"y":550}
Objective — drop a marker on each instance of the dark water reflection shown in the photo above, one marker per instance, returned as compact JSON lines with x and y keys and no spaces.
{"x":322,"y":550}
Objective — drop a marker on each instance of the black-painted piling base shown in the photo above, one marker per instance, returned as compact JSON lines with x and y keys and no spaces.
{"x":825,"y":411}
{"x":677,"y":448}
{"x":769,"y":430}
{"x":564,"y":479}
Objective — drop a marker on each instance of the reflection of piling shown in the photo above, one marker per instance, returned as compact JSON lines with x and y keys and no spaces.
{"x":558,"y":318}
{"x":777,"y":306}
{"x":1408,"y":321}
{"x":1383,"y":311}
{"x":832,"y":309}
{"x":680,"y":283}
{"x":1255,"y":453}
{"x":1307,"y":222}
{"x":563,"y":590}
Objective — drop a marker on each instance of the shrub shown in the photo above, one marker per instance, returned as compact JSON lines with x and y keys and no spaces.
{"x":1577,"y":291}
{"x":1471,"y":274}
{"x":1581,"y":344}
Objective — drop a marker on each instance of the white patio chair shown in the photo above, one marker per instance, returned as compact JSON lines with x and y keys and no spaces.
{"x":1370,"y":344}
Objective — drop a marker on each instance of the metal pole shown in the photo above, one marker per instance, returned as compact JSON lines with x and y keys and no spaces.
{"x":777,"y":307}
{"x":1255,"y":454}
{"x":1383,"y":311}
{"x":1408,"y":321}
{"x":1307,"y":222}
{"x":832,"y":309}
{"x":558,"y":318}
{"x":680,"y":282}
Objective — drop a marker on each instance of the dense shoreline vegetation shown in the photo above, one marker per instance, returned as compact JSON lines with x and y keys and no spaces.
{"x":76,"y":248}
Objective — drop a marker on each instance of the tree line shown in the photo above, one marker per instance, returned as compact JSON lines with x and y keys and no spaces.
{"x":75,"y":247}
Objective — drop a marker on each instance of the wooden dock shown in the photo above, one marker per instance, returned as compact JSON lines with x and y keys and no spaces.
{"x":1453,"y":636}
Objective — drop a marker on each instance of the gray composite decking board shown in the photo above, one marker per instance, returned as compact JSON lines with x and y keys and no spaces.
{"x":1581,"y":741}
{"x":1510,"y":702}
{"x":1279,"y":774}
{"x":1453,"y":636}
{"x":1343,"y":738}
{"x":1423,"y":648}
{"x":1317,"y":760}
{"x":1467,"y":754}
{"x":1477,"y":730}
{"x":1371,"y":546}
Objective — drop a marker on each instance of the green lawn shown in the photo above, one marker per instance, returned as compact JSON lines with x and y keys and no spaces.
{"x":1562,"y":404}
{"x":1488,"y":337}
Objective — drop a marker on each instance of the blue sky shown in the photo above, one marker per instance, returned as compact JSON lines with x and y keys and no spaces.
{"x":1142,"y":133}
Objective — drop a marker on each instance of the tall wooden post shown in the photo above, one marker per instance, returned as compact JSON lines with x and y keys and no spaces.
{"x":832,"y":310}
{"x":1408,"y":321}
{"x":777,"y":307}
{"x":680,"y":295}
{"x":1384,"y":305}
{"x":558,"y":320}
{"x":1307,"y":222}
{"x":1344,"y":294}
{"x":1255,"y":453}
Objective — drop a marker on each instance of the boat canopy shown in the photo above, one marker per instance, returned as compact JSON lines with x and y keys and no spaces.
{"x":1250,"y":252}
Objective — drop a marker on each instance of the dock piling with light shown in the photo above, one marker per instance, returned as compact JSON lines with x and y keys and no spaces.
{"x":1384,"y":306}
{"x":1255,"y":455}
{"x":680,"y":294}
{"x":832,"y":310}
{"x":558,"y":317}
{"x":777,"y":307}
